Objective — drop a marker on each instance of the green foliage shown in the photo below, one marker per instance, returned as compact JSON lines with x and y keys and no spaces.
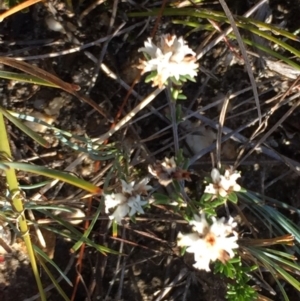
{"x":11,"y":3}
{"x":238,"y":287}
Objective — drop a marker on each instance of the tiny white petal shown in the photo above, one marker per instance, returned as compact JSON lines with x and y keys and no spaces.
{"x":113,"y":200}
{"x":121,"y":211}
{"x":127,"y":188}
{"x":223,"y":184}
{"x":185,"y":240}
{"x":135,"y":205}
{"x":210,"y":188}
{"x":200,"y":224}
{"x":222,"y":192}
{"x":142,"y":187}
{"x":202,"y":264}
{"x":215,"y":175}
{"x":236,"y":187}
{"x":169,"y":165}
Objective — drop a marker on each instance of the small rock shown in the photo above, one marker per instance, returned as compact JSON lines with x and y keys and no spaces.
{"x":54,"y":25}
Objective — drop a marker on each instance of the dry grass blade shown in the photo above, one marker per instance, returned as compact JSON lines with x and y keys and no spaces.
{"x":40,"y":73}
{"x":183,"y":273}
{"x":85,"y":46}
{"x":244,"y":53}
{"x":18,"y":8}
{"x":220,"y":129}
{"x":89,"y":9}
{"x":266,"y":135}
{"x":202,"y":51}
{"x":236,"y":136}
{"x":104,"y":48}
{"x":262,"y":127}
{"x":129,"y":116}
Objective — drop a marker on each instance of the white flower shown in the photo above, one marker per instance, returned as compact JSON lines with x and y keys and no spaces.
{"x":166,"y":171}
{"x":163,"y":169}
{"x":113,"y":200}
{"x":209,"y":242}
{"x":127,"y":188}
{"x":169,"y":165}
{"x":135,"y":204}
{"x":121,"y":211}
{"x":128,"y":202}
{"x":139,"y":188}
{"x":223,"y":184}
{"x":171,"y":58}
{"x":142,"y":187}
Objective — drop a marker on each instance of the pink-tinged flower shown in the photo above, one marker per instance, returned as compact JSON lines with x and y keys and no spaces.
{"x":170,"y":58}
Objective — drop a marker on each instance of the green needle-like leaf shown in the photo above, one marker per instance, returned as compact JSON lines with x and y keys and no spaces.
{"x":55,"y":174}
{"x":45,"y":257}
{"x":26,"y":78}
{"x":25,"y":129}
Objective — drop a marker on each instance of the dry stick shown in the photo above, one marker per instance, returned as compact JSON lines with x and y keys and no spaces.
{"x":244,"y":54}
{"x":247,"y":111}
{"x":81,"y":253}
{"x":283,"y":175}
{"x":130,"y":90}
{"x":261,"y":128}
{"x":220,"y":129}
{"x":172,"y":105}
{"x":160,"y":13}
{"x":187,"y":287}
{"x":142,"y":104}
{"x":36,"y":71}
{"x":183,"y":273}
{"x":228,"y":44}
{"x":118,"y":269}
{"x":229,"y":134}
{"x":201,"y":52}
{"x":88,"y":297}
{"x":104,"y":48}
{"x":121,"y":280}
{"x":37,"y":230}
{"x":264,"y":137}
{"x":89,"y":9}
{"x":294,"y":165}
{"x":129,"y":116}
{"x":119,"y":113}
{"x":211,"y":105}
{"x":118,"y":32}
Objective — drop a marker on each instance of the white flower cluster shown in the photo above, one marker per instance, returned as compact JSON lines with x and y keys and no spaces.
{"x":129,"y":201}
{"x":166,"y":171}
{"x":163,"y":170}
{"x":209,"y":242}
{"x":223,"y":184}
{"x":171,"y":58}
